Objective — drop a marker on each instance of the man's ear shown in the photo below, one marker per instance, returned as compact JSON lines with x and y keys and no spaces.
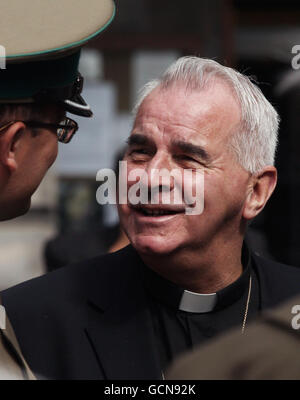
{"x":9,"y":143}
{"x":262,"y":187}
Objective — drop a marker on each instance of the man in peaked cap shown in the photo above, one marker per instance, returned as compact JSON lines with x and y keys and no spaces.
{"x":39,"y":84}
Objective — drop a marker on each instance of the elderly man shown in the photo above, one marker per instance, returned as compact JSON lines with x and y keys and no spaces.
{"x":187,"y":275}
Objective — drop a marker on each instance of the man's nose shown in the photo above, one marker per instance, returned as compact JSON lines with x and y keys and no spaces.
{"x":160,"y":160}
{"x":158,"y":171}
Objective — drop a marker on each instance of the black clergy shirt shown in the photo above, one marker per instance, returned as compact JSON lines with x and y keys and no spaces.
{"x":177,"y":331}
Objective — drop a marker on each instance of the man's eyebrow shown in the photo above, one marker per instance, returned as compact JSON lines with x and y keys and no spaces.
{"x":192,"y":149}
{"x":138,"y":139}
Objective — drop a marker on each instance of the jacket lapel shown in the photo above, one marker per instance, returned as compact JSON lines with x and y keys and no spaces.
{"x":121,"y":330}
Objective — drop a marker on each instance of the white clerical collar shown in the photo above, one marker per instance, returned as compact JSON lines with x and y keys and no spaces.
{"x":197,"y":302}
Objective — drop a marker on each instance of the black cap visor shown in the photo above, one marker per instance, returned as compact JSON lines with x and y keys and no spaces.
{"x":68,"y":97}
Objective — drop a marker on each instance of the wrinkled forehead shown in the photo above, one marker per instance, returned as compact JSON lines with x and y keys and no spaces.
{"x":211,"y":111}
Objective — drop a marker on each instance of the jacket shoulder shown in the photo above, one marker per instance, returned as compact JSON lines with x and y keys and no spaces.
{"x":272,"y":267}
{"x":67,"y":285}
{"x":278,"y":281}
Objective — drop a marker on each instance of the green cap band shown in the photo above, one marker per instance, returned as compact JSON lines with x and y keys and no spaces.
{"x":23,"y":81}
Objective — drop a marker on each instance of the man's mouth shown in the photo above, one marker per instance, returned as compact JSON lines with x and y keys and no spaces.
{"x":156,"y":211}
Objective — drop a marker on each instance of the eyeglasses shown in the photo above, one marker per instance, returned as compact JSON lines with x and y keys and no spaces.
{"x":65,"y":130}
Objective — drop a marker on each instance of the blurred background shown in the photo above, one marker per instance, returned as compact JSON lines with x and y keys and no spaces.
{"x":256,"y":37}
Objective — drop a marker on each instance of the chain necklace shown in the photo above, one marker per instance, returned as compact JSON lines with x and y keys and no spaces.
{"x":247,"y":305}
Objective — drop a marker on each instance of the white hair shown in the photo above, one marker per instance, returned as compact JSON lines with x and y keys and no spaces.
{"x":255,"y":142}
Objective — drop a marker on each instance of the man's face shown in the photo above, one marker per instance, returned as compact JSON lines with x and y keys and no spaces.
{"x":37,"y":155}
{"x":179,"y":129}
{"x":34,"y":154}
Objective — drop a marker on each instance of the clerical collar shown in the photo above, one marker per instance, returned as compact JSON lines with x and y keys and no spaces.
{"x":173,"y":296}
{"x":197,"y":302}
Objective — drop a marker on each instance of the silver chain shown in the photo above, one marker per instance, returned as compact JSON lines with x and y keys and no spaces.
{"x":247,"y":305}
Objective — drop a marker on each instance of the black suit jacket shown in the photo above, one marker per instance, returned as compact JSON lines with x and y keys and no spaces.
{"x":91,"y":320}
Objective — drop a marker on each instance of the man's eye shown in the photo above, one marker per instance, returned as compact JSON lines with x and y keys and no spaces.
{"x":188,"y":162}
{"x":138,"y":154}
{"x":186,"y":158}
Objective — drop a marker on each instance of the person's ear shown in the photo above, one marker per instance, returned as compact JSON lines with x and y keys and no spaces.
{"x":9,"y":144}
{"x":262,"y":187}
